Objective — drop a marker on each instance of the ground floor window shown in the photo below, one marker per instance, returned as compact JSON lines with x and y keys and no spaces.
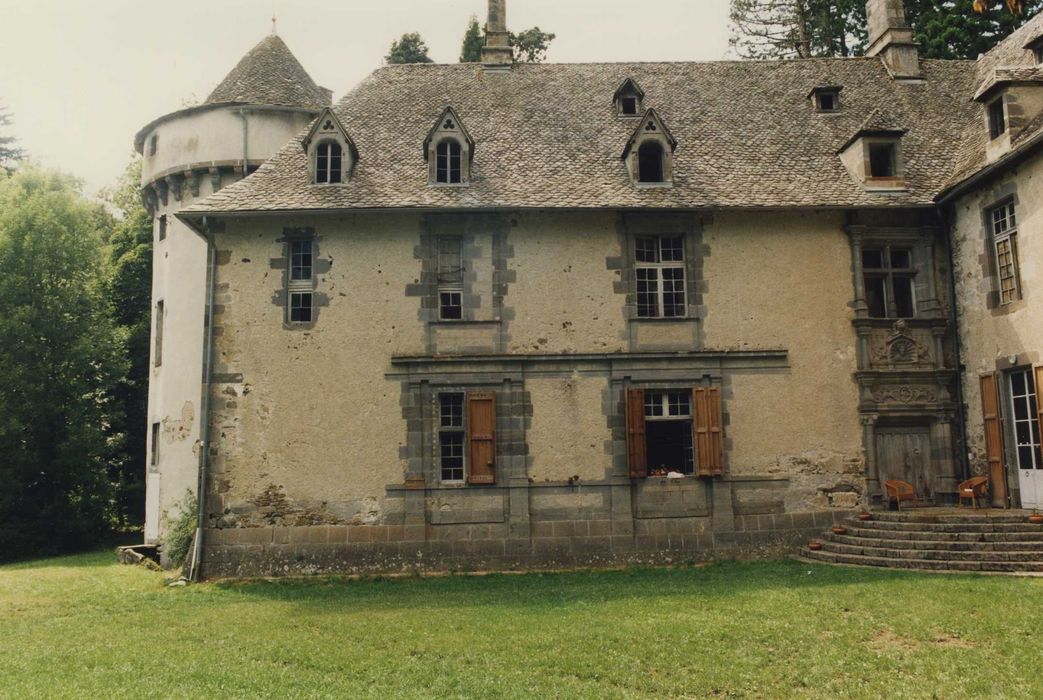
{"x":451,"y":436}
{"x":674,"y":430}
{"x":1024,"y":418}
{"x":668,"y":431}
{"x":466,"y":436}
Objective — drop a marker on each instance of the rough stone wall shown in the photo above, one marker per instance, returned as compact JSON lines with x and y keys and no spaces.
{"x":991,"y":333}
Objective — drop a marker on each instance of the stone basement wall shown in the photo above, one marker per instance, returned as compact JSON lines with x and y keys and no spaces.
{"x":666,"y":523}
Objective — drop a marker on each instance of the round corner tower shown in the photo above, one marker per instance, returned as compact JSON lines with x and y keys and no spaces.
{"x":266,"y":100}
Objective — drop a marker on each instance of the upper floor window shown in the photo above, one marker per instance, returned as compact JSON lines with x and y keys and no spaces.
{"x":1004,"y":225}
{"x":997,"y":118}
{"x":650,"y":162}
{"x":450,"y":278}
{"x":161,"y":224}
{"x":157,"y":354}
{"x":628,"y":99}
{"x":649,"y":151}
{"x":153,"y":144}
{"x":300,"y":287}
{"x":328,"y":163}
{"x":826,"y":98}
{"x":449,"y":162}
{"x":888,"y":275}
{"x":883,"y":159}
{"x":660,"y":276}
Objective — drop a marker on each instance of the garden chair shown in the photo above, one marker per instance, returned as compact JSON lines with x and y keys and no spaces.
{"x":900,"y":491}
{"x":973,"y":489}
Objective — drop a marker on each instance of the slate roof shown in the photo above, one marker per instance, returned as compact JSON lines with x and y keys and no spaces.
{"x":547,"y":136}
{"x":269,"y":74}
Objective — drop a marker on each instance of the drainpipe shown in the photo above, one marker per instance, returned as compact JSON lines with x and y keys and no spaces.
{"x":242,"y":115}
{"x":204,"y":428}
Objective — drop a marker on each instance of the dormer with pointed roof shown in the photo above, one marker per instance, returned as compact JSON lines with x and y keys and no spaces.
{"x":332,"y":154}
{"x":628,"y":99}
{"x":449,"y":150}
{"x":649,"y":152}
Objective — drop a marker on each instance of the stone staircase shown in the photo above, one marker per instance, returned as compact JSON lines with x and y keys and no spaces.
{"x":946,"y":539}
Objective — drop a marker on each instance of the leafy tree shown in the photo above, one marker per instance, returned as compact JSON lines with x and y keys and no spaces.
{"x":798,"y":28}
{"x":474,"y":40}
{"x":530,"y":46}
{"x":62,"y":357}
{"x":10,"y":154}
{"x":409,"y":49}
{"x":129,"y":288}
{"x":956,"y":29}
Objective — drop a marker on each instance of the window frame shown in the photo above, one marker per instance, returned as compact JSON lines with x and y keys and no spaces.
{"x":157,"y":343}
{"x":659,"y":267}
{"x":161,"y":224}
{"x":664,"y":399}
{"x":651,"y":143}
{"x":325,"y":175}
{"x":1005,"y":231}
{"x":450,"y":278}
{"x":154,"y":452}
{"x":458,"y":428}
{"x":889,"y":273}
{"x":1031,"y":421}
{"x":300,"y":281}
{"x":446,"y":171}
{"x":997,"y":116}
{"x":821,"y":95}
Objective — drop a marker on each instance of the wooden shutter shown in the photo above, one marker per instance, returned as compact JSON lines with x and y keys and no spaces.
{"x":709,"y":436}
{"x":637,"y":455}
{"x":990,"y":411}
{"x":481,"y":437}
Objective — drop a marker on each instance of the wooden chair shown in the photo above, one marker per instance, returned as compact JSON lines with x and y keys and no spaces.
{"x":899,"y":491}
{"x":973,"y":489}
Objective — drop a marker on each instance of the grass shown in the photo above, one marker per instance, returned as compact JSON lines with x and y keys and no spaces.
{"x":83,"y":626}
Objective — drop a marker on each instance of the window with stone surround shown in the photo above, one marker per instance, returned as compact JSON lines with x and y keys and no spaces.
{"x":450,"y":278}
{"x":660,"y":273}
{"x":300,"y":278}
{"x":668,"y":432}
{"x":997,"y":118}
{"x":674,"y":430}
{"x":888,"y":275}
{"x":1004,"y":230}
{"x":329,"y":157}
{"x":1025,"y":419}
{"x":451,"y":437}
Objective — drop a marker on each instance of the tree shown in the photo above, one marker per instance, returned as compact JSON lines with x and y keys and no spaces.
{"x":409,"y":49}
{"x":62,"y":358}
{"x":474,"y":40}
{"x":956,"y":29}
{"x":798,"y":28}
{"x":129,"y":289}
{"x":530,"y":46}
{"x":10,"y":154}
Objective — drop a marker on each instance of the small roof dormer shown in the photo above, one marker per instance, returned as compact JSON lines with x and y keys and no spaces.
{"x":826,"y":98}
{"x":629,"y":99}
{"x":1013,"y":99}
{"x":449,"y":150}
{"x":332,"y":154}
{"x":874,"y":156}
{"x":649,"y":152}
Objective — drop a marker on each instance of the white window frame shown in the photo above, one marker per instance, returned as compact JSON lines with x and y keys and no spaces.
{"x":450,"y":275}
{"x":1031,"y":392}
{"x":1004,"y":233}
{"x":460,"y":429}
{"x":658,"y":267}
{"x":301,"y":286}
{"x":674,"y":406}
{"x":323,"y":150}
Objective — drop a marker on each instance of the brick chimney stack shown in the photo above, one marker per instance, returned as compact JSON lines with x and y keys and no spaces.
{"x":497,"y":52}
{"x":891,"y":38}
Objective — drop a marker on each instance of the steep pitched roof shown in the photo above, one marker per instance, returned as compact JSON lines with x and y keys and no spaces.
{"x":270,"y":74}
{"x":548,"y":137}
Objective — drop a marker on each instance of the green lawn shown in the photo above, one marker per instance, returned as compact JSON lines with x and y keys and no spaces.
{"x":83,"y":626}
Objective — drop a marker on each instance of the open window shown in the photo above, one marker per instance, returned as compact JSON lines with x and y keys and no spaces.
{"x":449,"y":150}
{"x":997,"y":118}
{"x":874,"y":155}
{"x":649,"y":152}
{"x":629,"y":99}
{"x":674,"y":430}
{"x":888,"y":274}
{"x":331,"y":152}
{"x":1003,"y":228}
{"x":826,"y":98}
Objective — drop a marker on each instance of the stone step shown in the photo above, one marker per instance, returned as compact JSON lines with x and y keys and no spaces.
{"x":928,"y":564}
{"x":948,"y":545}
{"x":914,"y":516}
{"x":931,"y":554}
{"x":980,"y":527}
{"x":857,"y":529}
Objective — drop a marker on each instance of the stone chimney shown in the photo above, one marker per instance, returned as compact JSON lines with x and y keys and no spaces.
{"x":497,"y":52}
{"x":891,"y":38}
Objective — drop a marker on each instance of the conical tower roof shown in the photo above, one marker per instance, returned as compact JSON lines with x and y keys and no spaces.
{"x":269,"y":74}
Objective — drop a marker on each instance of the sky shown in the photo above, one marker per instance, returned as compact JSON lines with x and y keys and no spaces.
{"x":80,"y":77}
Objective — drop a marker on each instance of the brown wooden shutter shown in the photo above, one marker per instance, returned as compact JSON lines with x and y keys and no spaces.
{"x":481,"y":437}
{"x":990,"y":412}
{"x":709,"y":435}
{"x":637,"y":455}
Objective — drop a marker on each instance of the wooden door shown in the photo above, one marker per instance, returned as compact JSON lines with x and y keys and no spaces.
{"x":992,"y":422}
{"x":904,"y":453}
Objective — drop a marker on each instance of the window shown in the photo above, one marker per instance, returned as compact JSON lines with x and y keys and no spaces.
{"x":449,"y":162}
{"x":162,"y":224}
{"x":301,"y":275}
{"x":668,"y":431}
{"x":660,"y":276}
{"x":154,"y":456}
{"x":827,"y":101}
{"x":888,"y":274}
{"x":1025,"y":416}
{"x":650,"y":162}
{"x":158,"y":357}
{"x":450,"y":278}
{"x":153,"y":144}
{"x":628,"y":106}
{"x":328,"y":163}
{"x":997,"y":119}
{"x":883,"y":160}
{"x":451,"y":436}
{"x":1004,"y":225}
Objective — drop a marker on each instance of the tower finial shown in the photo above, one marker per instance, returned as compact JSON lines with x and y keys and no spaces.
{"x":274,"y":32}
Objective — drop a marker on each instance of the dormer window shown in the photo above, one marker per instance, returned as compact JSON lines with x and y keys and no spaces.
{"x":449,"y":151}
{"x":331,"y":152}
{"x":628,"y":99}
{"x":997,"y":118}
{"x":329,"y":158}
{"x":1036,"y":47}
{"x":649,"y":152}
{"x":883,"y":159}
{"x":826,"y":98}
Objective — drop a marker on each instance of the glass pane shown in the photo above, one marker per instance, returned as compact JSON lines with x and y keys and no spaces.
{"x":1017,"y":383}
{"x":653,"y":404}
{"x":646,"y":250}
{"x":647,"y":292}
{"x":452,"y":410}
{"x":901,"y":258}
{"x":673,"y":292}
{"x":1025,"y":455}
{"x":903,"y":289}
{"x":1022,"y":434}
{"x":872,"y":259}
{"x":1021,"y":408}
{"x":875,"y":298}
{"x":450,"y":306}
{"x":673,"y":249}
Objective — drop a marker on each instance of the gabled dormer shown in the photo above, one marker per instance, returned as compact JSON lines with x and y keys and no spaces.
{"x":331,"y":152}
{"x":825,"y":98}
{"x":874,"y":156}
{"x":629,"y":99}
{"x":1013,"y":98}
{"x":449,"y":151}
{"x":649,"y":153}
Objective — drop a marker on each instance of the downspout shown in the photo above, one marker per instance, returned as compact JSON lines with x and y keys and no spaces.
{"x":954,"y":321}
{"x":242,"y":115}
{"x":204,"y":428}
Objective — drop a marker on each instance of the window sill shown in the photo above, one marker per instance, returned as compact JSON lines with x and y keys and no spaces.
{"x":886,"y":184}
{"x":663,"y":319}
{"x":448,"y":185}
{"x":654,"y":185}
{"x":465,"y":322}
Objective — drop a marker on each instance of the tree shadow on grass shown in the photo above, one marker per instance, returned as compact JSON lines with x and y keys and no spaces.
{"x":95,"y":558}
